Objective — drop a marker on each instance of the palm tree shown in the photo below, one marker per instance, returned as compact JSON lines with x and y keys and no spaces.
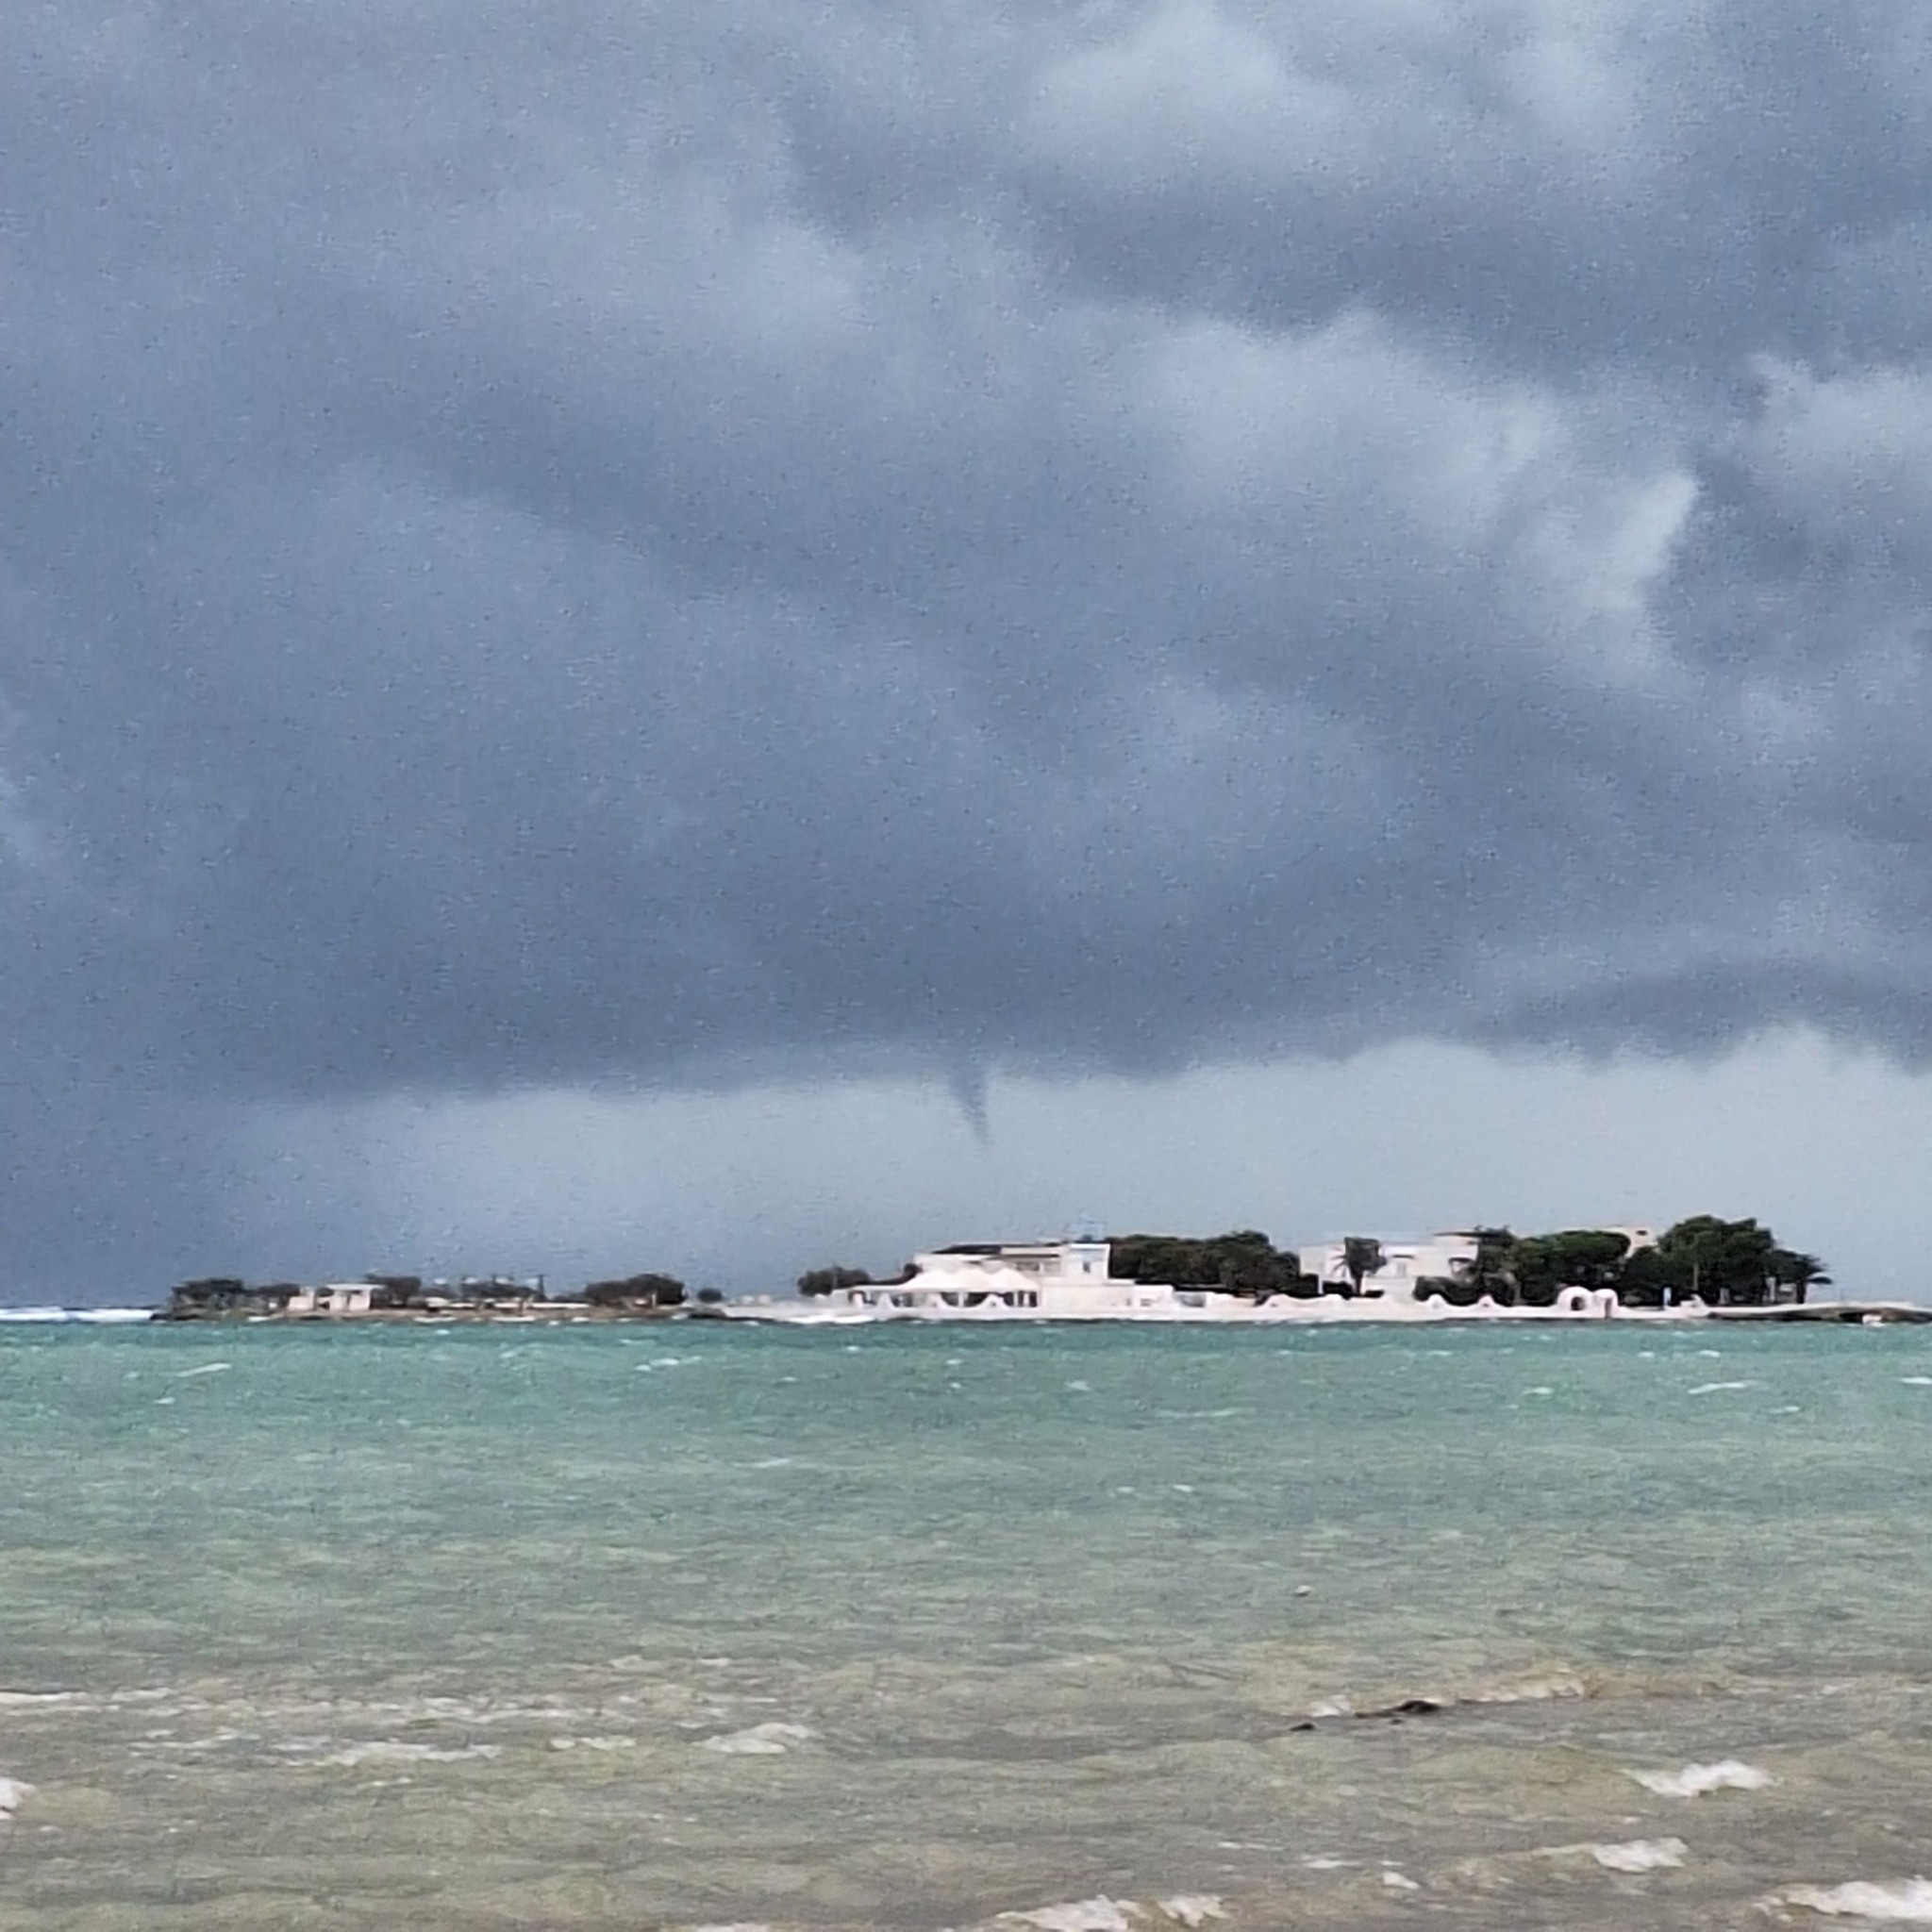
{"x":1798,"y":1273}
{"x":1360,"y":1254}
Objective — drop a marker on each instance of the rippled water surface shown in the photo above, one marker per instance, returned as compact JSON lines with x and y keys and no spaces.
{"x":694,"y":1626}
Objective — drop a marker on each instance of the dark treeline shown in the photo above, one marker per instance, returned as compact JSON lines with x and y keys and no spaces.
{"x":1243,"y":1262}
{"x":1726,"y":1263}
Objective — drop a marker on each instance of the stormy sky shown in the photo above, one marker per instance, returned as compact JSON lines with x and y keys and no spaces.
{"x":1022,"y":611}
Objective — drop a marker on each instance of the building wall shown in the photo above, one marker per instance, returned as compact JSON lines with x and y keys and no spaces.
{"x":1404,"y":1263}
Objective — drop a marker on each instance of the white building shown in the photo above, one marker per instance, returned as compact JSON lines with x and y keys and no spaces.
{"x":1443,"y":1257}
{"x":1062,"y":1280}
{"x":333,"y":1298}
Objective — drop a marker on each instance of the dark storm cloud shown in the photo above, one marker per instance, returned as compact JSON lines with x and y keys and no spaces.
{"x":598,"y":542}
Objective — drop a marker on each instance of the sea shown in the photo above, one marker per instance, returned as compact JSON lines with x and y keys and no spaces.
{"x":1095,"y":1629}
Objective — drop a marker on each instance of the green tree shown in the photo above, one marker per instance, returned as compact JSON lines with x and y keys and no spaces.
{"x":1799,"y":1273}
{"x":636,"y":1291}
{"x":1244,"y":1261}
{"x":1362,"y":1255}
{"x":1542,"y":1266}
{"x":818,"y":1281}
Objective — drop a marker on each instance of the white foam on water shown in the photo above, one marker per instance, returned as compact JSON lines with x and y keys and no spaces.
{"x":1080,"y":1387}
{"x":1396,"y":1881}
{"x":736,"y":1925}
{"x":14,"y":1792}
{"x":761,"y":1741}
{"x":1099,"y":1914}
{"x":1321,"y":1861}
{"x":1332,"y":1707}
{"x":1907,"y":1903}
{"x":31,"y":1700}
{"x":93,"y":1315}
{"x":1917,"y":1381}
{"x":1539,"y":1392}
{"x":773,"y":1462}
{"x":393,"y":1751}
{"x":1695,"y":1780}
{"x":1641,"y":1855}
{"x":1191,"y":1909}
{"x":206,"y":1369}
{"x":1713,"y":1387}
{"x":1549,"y":1687}
{"x":1182,"y":1488}
{"x":593,"y":1744}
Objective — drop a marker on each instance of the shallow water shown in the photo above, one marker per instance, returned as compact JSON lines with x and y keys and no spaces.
{"x":692,"y":1625}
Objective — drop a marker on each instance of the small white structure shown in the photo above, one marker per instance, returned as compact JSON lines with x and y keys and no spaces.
{"x":333,"y":1298}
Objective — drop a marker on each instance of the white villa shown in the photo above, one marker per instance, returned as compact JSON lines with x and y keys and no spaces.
{"x":1445,"y":1257}
{"x":1053,"y":1280}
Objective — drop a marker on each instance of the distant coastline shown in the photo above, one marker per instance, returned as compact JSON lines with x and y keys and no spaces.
{"x":1701,"y":1267}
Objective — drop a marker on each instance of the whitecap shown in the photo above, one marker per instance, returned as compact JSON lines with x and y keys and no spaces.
{"x":391,"y":1751}
{"x":1080,"y":1387}
{"x":1909,"y":1903}
{"x":1917,"y":1381}
{"x":1641,"y":1855}
{"x":1713,"y":1388}
{"x":761,"y":1741}
{"x":30,"y":1699}
{"x":1098,"y":1914}
{"x":205,"y":1369}
{"x":1552,"y":1686}
{"x":1695,"y":1780}
{"x":13,"y":1794}
{"x":59,"y":1314}
{"x":1191,"y":1909}
{"x":1396,"y":1881}
{"x":593,"y":1744}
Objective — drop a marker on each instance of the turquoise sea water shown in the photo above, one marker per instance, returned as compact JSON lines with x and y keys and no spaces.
{"x":702,"y":1625}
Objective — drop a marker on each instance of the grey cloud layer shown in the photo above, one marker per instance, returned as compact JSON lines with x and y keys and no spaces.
{"x":606,"y":542}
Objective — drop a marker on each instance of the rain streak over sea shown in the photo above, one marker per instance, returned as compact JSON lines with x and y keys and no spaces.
{"x":1095,"y":1630}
